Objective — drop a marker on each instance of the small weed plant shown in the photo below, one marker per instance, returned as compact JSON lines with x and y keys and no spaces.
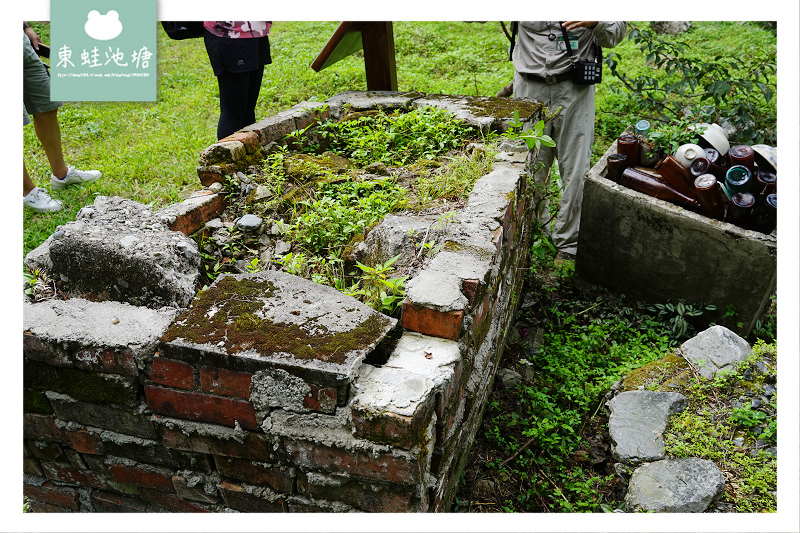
{"x":397,"y":138}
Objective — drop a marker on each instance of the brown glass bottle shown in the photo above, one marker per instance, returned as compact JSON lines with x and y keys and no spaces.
{"x":740,"y":209}
{"x":765,"y":215}
{"x":648,"y":182}
{"x":764,"y":183}
{"x":676,"y":175}
{"x":710,"y":196}
{"x":741,"y":154}
{"x":628,"y":145}
{"x":719,"y":164}
{"x":700,"y":166}
{"x":616,"y":164}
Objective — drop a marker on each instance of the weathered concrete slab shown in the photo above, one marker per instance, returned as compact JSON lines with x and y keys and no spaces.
{"x":361,"y":100}
{"x":714,"y":350}
{"x":394,"y":403}
{"x":273,"y":320}
{"x":118,"y":249}
{"x":102,"y":324}
{"x":656,"y":251}
{"x":483,"y":112}
{"x":637,"y":421}
{"x":686,"y":485}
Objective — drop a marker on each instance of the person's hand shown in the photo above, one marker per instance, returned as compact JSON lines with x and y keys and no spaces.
{"x":572,"y":24}
{"x":33,"y":36}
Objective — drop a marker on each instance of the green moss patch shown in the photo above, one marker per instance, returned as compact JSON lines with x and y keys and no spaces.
{"x":230,"y":314}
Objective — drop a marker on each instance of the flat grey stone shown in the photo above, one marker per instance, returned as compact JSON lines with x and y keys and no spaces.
{"x":714,"y":350}
{"x":249,"y":222}
{"x":686,"y":485}
{"x":637,"y":421}
{"x":437,"y":290}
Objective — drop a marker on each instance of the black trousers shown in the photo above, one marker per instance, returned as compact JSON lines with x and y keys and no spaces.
{"x":238,"y":65}
{"x":238,"y":94}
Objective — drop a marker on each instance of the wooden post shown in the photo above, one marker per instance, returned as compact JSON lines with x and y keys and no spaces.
{"x":377,"y":41}
{"x":379,"y":60}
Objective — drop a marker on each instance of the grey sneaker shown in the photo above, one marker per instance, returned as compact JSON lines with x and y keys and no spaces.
{"x":74,"y":176}
{"x":39,"y":200}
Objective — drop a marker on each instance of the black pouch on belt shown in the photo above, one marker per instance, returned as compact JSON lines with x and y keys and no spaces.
{"x":585,"y":72}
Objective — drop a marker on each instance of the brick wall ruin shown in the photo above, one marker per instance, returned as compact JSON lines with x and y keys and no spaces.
{"x":161,"y":400}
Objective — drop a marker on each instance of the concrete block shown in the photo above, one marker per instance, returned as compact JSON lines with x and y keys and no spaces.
{"x":656,"y":251}
{"x":117,"y":249}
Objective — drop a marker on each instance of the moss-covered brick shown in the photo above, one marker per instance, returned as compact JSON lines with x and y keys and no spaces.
{"x":80,"y":384}
{"x":35,"y":402}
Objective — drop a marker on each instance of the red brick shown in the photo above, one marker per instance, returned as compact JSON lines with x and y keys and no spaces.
{"x":239,"y":498}
{"x":507,"y":217}
{"x":365,"y":496}
{"x":226,"y":382}
{"x":211,"y":174}
{"x":47,"y":451}
{"x":172,"y":373}
{"x":40,"y":426}
{"x":106,"y":502}
{"x":385,"y":466}
{"x":43,"y":351}
{"x":170,"y":502}
{"x":248,"y":138}
{"x":30,"y":465}
{"x":276,"y":477}
{"x":38,"y":507}
{"x":470,"y":289}
{"x":106,"y":360}
{"x":195,"y":493}
{"x":193,"y":213}
{"x":323,"y":400}
{"x":446,"y":325}
{"x":53,"y":494}
{"x":253,"y":446}
{"x":451,"y":393}
{"x":142,"y":476}
{"x":392,"y":428}
{"x":201,"y":407}
{"x":84,"y":441}
{"x":72,"y":476}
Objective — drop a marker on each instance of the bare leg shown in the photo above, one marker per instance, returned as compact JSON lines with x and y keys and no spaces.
{"x":49,"y":133}
{"x":27,"y":182}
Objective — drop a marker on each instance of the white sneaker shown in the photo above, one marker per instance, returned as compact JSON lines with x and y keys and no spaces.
{"x":39,"y":200}
{"x":74,"y":176}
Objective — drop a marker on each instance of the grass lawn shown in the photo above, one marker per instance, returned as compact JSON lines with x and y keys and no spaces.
{"x":148,"y":151}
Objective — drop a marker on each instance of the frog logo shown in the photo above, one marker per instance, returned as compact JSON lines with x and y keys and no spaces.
{"x":103,"y":27}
